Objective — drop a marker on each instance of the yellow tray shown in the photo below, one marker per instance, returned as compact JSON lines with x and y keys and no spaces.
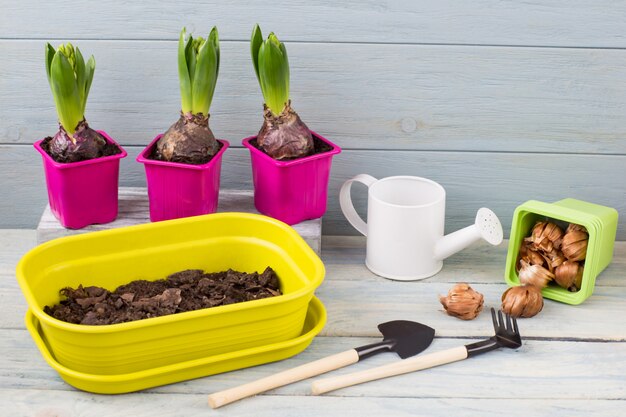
{"x":214,"y":242}
{"x":122,"y":383}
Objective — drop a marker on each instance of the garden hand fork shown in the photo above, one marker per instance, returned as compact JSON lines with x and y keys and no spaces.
{"x":507,"y":335}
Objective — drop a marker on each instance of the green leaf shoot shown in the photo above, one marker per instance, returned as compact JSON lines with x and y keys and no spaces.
{"x":272,"y":68}
{"x":183,"y":73}
{"x":198,"y":69}
{"x":70,"y":80}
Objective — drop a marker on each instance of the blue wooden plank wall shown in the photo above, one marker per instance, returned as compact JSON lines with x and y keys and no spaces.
{"x":500,"y":101}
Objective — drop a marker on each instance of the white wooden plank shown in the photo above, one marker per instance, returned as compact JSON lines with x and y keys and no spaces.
{"x":500,"y":181}
{"x":537,"y":365}
{"x":379,"y":300}
{"x":564,"y":23}
{"x":382,"y":300}
{"x":13,"y":245}
{"x":361,"y":96}
{"x":53,"y":403}
{"x":344,"y":258}
{"x":134,"y":208}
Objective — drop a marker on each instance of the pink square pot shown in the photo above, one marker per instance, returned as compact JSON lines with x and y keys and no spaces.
{"x":291,"y":191}
{"x":178,"y":190}
{"x":85,"y":192}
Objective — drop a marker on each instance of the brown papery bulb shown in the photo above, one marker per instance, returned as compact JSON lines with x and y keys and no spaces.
{"x":572,"y":227}
{"x":574,"y":245}
{"x":522,"y":301}
{"x":535,"y":275}
{"x":546,"y":236}
{"x":531,"y":256}
{"x":555,"y":258}
{"x":463,"y":302}
{"x":569,"y":275}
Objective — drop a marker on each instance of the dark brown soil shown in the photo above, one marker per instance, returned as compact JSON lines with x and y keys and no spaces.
{"x":319,"y":147}
{"x":188,"y":290}
{"x":154,"y":155}
{"x":108,"y":150}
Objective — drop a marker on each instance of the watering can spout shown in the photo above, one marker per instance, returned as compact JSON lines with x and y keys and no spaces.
{"x":486,"y":226}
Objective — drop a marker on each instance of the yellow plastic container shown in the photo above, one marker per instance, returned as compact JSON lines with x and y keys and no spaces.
{"x":211,"y":365}
{"x":214,"y":242}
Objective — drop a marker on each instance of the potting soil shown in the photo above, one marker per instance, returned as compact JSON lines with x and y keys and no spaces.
{"x":188,"y":290}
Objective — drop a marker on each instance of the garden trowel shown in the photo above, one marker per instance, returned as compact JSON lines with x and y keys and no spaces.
{"x":406,"y":338}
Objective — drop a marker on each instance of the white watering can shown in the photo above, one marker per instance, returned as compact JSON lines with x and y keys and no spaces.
{"x":405,"y":225}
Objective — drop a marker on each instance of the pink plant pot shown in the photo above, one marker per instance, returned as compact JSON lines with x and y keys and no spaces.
{"x":178,"y":190}
{"x":291,"y":191}
{"x":85,"y":192}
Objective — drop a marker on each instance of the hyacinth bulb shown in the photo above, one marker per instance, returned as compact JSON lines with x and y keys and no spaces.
{"x":283,"y":134}
{"x":462,"y":302}
{"x":70,"y":80}
{"x":535,"y":275}
{"x":575,"y":245}
{"x":190,"y":140}
{"x":569,"y":275}
{"x":522,"y":301}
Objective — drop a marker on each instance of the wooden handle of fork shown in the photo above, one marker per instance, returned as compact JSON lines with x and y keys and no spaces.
{"x":405,"y":366}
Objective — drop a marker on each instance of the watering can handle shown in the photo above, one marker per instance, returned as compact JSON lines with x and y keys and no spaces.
{"x":345,"y":201}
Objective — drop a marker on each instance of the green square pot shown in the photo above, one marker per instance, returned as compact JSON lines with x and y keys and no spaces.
{"x":601,"y":224}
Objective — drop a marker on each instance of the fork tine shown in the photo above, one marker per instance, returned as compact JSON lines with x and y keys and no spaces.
{"x":501,"y":320}
{"x":515,"y":329}
{"x":493,"y":317}
{"x":508,"y":322}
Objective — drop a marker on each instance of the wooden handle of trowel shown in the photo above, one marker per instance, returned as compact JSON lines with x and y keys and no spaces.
{"x":397,"y":368}
{"x":289,"y":376}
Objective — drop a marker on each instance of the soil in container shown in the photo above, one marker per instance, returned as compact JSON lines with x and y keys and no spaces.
{"x":188,"y":290}
{"x":319,"y":146}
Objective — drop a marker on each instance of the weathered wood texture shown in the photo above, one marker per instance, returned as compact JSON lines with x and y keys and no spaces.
{"x":350,"y":290}
{"x":134,"y":209}
{"x":362,"y":96}
{"x":500,"y":181}
{"x":576,"y":23}
{"x":489,"y":98}
{"x":571,"y":363}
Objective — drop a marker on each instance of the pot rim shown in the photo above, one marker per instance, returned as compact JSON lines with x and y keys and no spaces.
{"x":336,"y":149}
{"x":142,"y":158}
{"x":68,"y":165}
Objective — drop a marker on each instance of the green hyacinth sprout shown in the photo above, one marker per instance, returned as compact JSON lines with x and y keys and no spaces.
{"x":70,"y":79}
{"x":198,"y":67}
{"x":272,"y":69}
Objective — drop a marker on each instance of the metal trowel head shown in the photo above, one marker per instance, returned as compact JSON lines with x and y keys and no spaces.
{"x":407,"y":338}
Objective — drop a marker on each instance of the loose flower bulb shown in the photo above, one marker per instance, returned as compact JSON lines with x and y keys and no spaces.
{"x":535,"y":258}
{"x":530,"y":255}
{"x":463,"y":302}
{"x":569,"y":275}
{"x":522,"y":301}
{"x":546,"y":236}
{"x":555,"y":258}
{"x":574,"y":245}
{"x":535,"y":275}
{"x":572,"y":227}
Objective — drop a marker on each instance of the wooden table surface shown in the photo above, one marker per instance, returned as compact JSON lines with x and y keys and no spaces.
{"x":572,"y":363}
